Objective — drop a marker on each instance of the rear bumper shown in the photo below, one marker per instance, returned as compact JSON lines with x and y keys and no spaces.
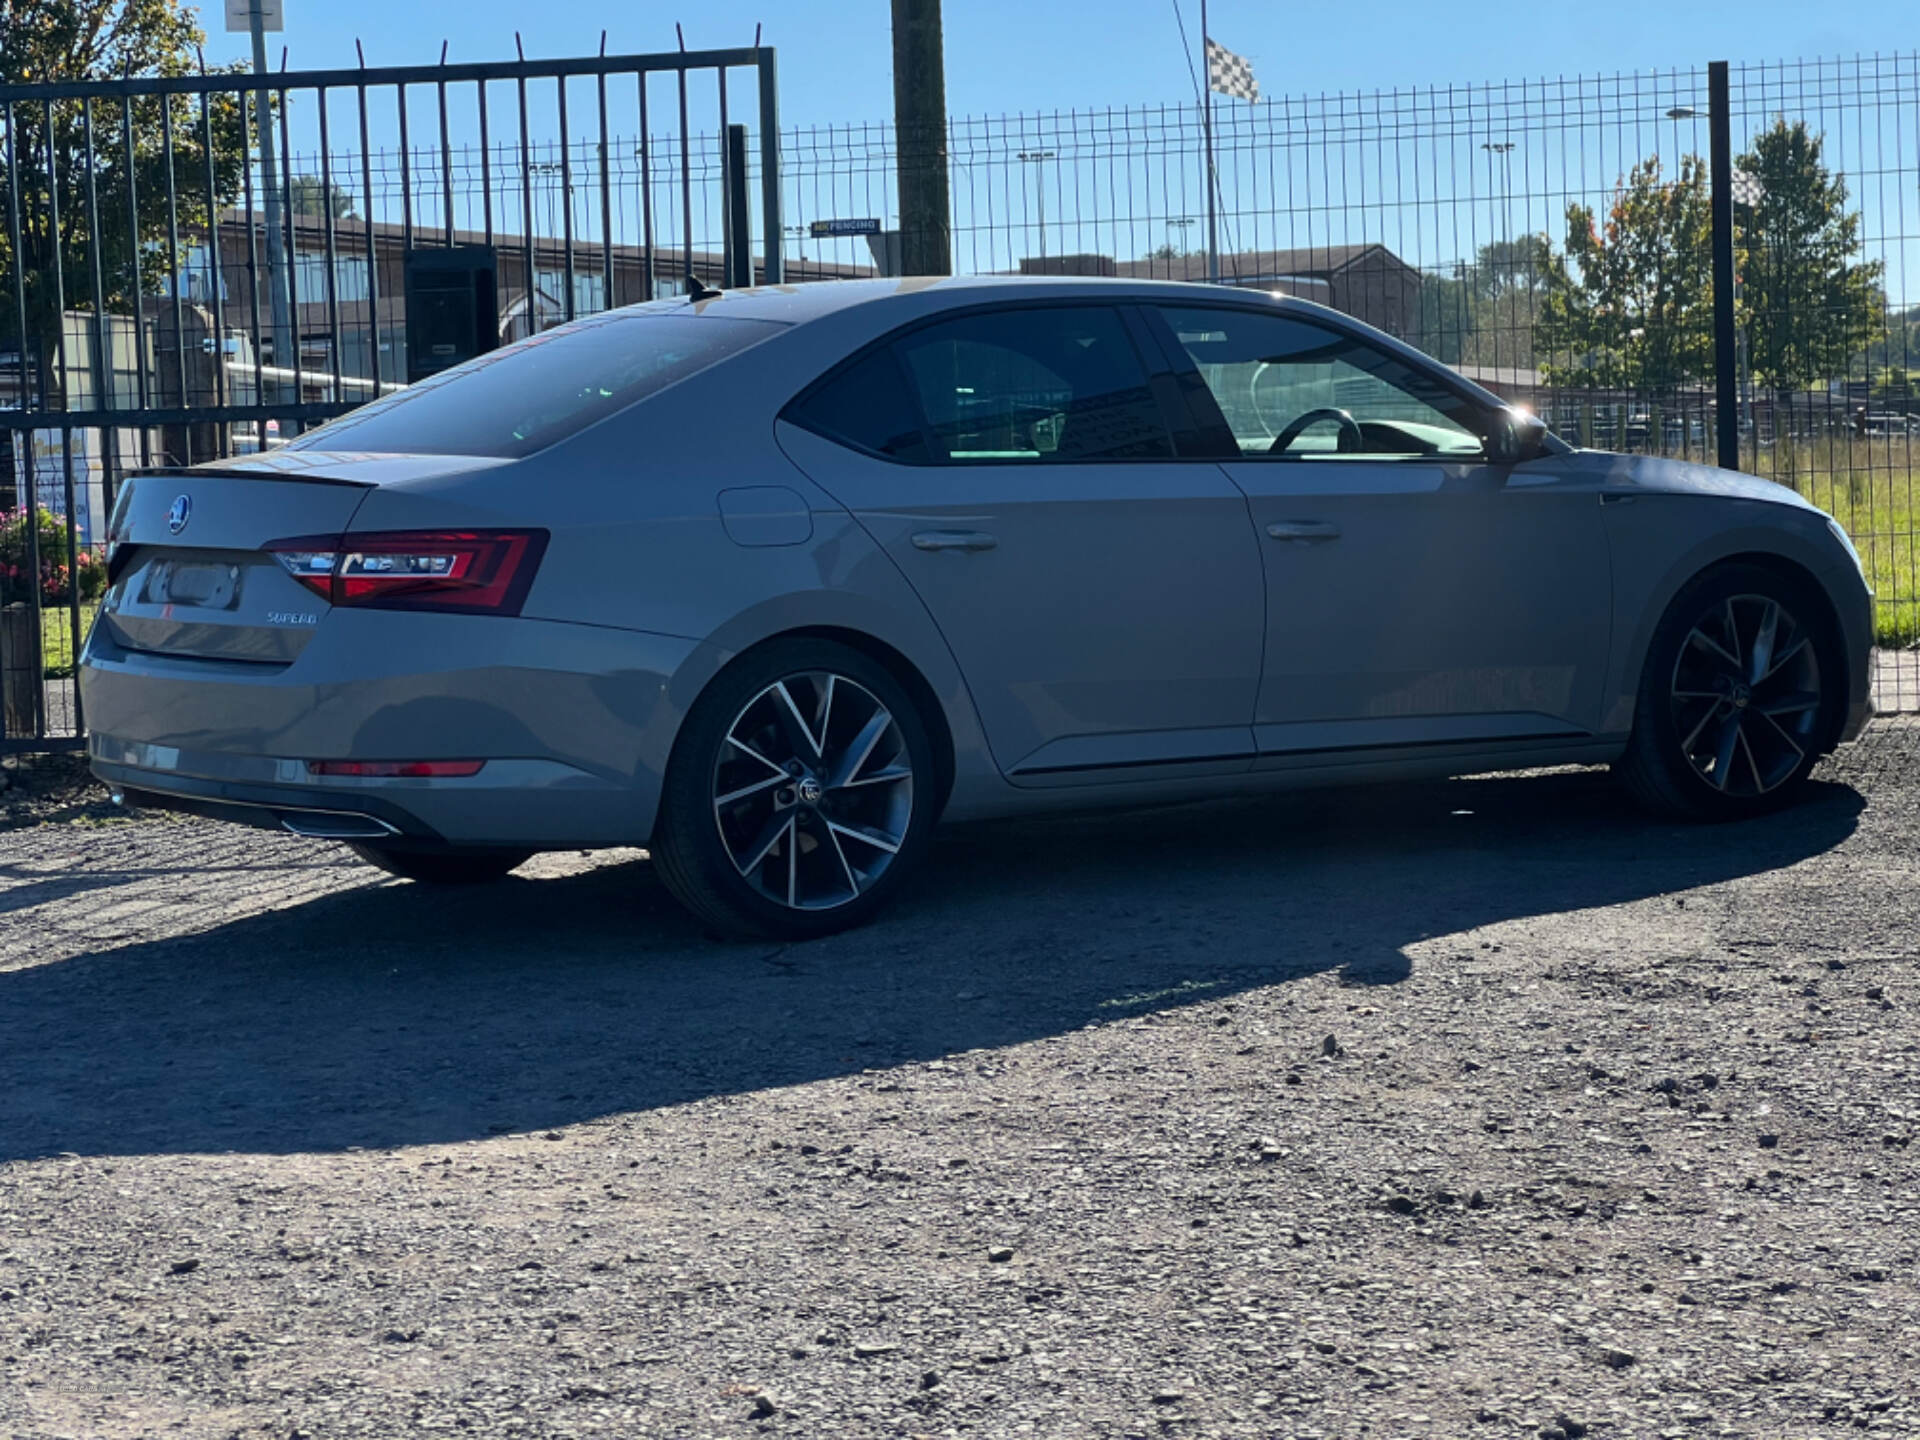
{"x":510,"y":803}
{"x":290,"y":810}
{"x":575,"y":723}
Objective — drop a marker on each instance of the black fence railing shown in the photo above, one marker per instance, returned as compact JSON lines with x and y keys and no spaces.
{"x":199,"y":266}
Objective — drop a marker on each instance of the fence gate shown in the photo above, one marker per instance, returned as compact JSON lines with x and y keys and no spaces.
{"x":172,"y":290}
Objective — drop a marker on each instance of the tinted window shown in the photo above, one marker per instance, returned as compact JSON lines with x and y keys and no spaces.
{"x":1034,"y":385}
{"x":528,"y":396}
{"x":866,"y":405}
{"x":1269,"y":372}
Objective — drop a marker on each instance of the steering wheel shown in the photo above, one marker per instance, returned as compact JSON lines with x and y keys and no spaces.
{"x":1351,"y":438}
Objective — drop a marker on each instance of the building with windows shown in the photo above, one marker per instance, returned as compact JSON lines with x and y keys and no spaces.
{"x":347,"y":287}
{"x":1368,"y":282}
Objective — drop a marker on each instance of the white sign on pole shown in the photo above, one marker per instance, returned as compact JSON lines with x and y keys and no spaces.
{"x":240,"y":15}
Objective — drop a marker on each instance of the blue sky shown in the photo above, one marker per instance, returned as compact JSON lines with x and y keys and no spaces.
{"x":1283,"y":189}
{"x":1008,"y":55}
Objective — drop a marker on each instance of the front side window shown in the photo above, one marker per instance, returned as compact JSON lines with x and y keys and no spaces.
{"x":512,"y":402}
{"x":1038,"y":385}
{"x":1290,"y":389}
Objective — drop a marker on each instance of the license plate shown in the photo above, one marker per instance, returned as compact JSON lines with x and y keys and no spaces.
{"x":203,"y":586}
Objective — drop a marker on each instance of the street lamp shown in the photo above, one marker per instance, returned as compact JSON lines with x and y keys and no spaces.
{"x":1039,"y":157}
{"x":1181,"y":224}
{"x":1504,"y":149}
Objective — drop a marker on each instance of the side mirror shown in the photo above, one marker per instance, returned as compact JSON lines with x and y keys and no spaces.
{"x":1516,"y":437}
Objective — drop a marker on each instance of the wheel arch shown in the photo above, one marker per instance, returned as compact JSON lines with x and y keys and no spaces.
{"x":1663,"y":543}
{"x":1784,"y":566}
{"x":890,"y":658}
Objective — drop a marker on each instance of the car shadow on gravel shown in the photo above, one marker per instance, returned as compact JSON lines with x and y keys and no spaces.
{"x":397,"y":1014}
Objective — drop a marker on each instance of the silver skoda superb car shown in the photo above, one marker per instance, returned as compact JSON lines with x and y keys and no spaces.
{"x":769,"y":583}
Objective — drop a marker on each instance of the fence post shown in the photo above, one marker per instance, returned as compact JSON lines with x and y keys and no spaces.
{"x":20,"y":668}
{"x":1726,"y":376}
{"x":773,"y":268}
{"x":739,"y":257}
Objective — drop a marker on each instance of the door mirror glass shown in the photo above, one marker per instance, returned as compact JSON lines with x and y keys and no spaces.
{"x":1515,"y":437}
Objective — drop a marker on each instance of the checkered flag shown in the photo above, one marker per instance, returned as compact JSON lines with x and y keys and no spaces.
{"x":1230,"y":74}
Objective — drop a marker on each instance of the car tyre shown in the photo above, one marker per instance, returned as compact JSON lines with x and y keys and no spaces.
{"x":800,"y":794}
{"x":1743,"y":690}
{"x":443,"y":867}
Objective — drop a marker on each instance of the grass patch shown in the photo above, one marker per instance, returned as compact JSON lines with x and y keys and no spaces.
{"x":1871,"y":487}
{"x":58,"y":644}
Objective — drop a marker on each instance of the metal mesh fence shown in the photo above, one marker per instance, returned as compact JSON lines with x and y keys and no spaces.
{"x":1552,"y":239}
{"x":1827,"y":233}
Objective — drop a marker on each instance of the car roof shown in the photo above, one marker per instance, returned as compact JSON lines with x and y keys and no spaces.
{"x":914,"y":297}
{"x":799,"y":303}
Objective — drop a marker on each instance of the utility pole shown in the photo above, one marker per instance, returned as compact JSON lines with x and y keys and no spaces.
{"x":920,"y":126}
{"x":283,"y":357}
{"x":1206,"y":91}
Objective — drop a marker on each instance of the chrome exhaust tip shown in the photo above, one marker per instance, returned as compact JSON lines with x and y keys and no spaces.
{"x":334,"y":825}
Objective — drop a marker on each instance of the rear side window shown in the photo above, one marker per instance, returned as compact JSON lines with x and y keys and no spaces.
{"x":867,"y":405}
{"x":1019,"y":386}
{"x":528,"y":396}
{"x":1034,"y":385}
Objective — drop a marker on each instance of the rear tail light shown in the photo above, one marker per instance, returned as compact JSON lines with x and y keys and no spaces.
{"x":395,"y":769}
{"x":480,"y":571}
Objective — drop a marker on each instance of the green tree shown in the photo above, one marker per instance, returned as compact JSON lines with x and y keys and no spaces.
{"x":307,"y":196}
{"x":1447,"y":313}
{"x":1484,"y":311}
{"x":1893,"y":361}
{"x":1629,"y":304}
{"x":1899,"y":344}
{"x":1811,"y":303}
{"x":46,"y":40}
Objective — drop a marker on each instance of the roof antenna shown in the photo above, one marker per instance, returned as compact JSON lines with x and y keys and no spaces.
{"x":519,"y":49}
{"x":360,"y":52}
{"x":756,"y":34}
{"x":443,"y":52}
{"x":603,"y":44}
{"x":698,"y":289}
{"x":681,"y":36}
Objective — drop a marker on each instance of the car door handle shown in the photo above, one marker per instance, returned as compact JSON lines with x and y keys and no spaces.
{"x":968,"y":540}
{"x":1307,"y":531}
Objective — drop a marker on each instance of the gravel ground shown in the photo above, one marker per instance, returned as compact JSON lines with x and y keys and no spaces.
{"x":1476,"y":1109}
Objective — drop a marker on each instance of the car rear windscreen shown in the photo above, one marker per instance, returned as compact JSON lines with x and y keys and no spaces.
{"x":512,"y":402}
